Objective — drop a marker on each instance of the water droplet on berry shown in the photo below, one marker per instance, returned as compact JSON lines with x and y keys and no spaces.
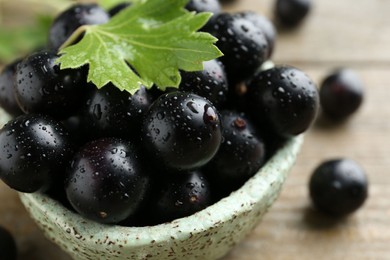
{"x":160,"y":115}
{"x":190,"y":185}
{"x":178,"y":203}
{"x":209,"y":115}
{"x":9,"y":132}
{"x":97,"y":111}
{"x":123,"y":153}
{"x":192,"y":106}
{"x":244,"y":28}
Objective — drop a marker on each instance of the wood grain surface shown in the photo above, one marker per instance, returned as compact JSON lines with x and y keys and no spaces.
{"x":348,"y":33}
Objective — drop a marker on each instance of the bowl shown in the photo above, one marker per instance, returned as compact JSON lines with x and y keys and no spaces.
{"x":207,"y":234}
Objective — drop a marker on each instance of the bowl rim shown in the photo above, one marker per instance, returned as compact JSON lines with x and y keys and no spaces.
{"x":254,"y":190}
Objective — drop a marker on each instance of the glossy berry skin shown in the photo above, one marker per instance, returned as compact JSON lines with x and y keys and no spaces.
{"x":182,"y":131}
{"x":198,"y":6}
{"x":116,"y":9}
{"x":265,"y":25}
{"x":114,"y":113}
{"x":41,"y":87}
{"x":241,"y":154}
{"x":244,"y":45}
{"x":7,"y":85}
{"x":179,"y":195}
{"x":338,"y":187}
{"x":284,"y":98}
{"x":71,"y":19}
{"x":341,"y":94}
{"x":106,"y":181}
{"x":291,"y":12}
{"x":34,"y":150}
{"x":8,"y":249}
{"x":211,"y":82}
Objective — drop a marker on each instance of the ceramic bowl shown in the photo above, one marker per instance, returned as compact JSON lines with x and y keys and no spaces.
{"x":208,"y":234}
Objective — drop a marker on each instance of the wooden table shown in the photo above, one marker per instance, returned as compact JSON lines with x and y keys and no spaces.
{"x":349,"y":33}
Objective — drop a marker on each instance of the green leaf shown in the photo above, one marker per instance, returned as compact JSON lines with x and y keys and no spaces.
{"x":157,"y":38}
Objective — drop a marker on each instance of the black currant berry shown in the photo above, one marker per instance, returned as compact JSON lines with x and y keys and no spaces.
{"x":41,"y":87}
{"x":114,"y":113}
{"x":7,"y":90}
{"x":210,"y":82}
{"x":338,"y":187}
{"x":116,"y":9}
{"x":211,"y":6}
{"x":106,"y":181}
{"x":8,"y":249}
{"x":291,"y":12}
{"x":34,"y":149}
{"x":284,"y":98}
{"x":71,"y":19}
{"x":179,"y":195}
{"x":240,"y":156}
{"x":341,"y":94}
{"x":243,"y":44}
{"x":182,"y":130}
{"x":265,"y":25}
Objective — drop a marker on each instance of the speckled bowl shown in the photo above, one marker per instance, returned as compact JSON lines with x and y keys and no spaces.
{"x":208,"y":234}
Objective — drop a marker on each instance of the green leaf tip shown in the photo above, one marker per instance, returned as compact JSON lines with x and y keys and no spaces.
{"x":145,"y":44}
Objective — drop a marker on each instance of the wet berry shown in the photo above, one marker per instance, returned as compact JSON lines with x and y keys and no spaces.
{"x":179,"y":195}
{"x":240,"y":156}
{"x":71,"y":19}
{"x":243,"y":44}
{"x":41,"y":87}
{"x":338,"y":187}
{"x":210,"y":82}
{"x":341,"y":94}
{"x":113,"y":113}
{"x":291,"y":12}
{"x":284,"y":98}
{"x":34,"y":150}
{"x":265,"y":25}
{"x":7,"y":90}
{"x":107,"y":181}
{"x":182,"y":131}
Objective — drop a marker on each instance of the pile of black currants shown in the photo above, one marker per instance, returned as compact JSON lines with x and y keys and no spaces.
{"x":154,"y":156}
